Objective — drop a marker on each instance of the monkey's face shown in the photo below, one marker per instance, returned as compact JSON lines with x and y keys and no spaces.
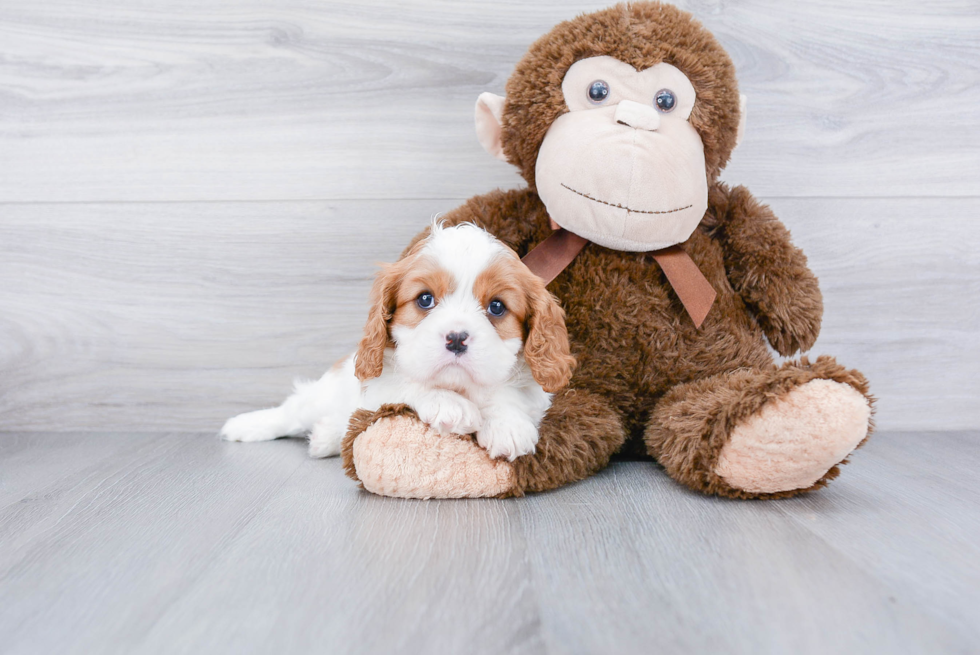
{"x":624,"y":167}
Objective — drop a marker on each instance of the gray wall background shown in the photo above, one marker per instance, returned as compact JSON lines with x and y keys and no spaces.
{"x":193,"y":194}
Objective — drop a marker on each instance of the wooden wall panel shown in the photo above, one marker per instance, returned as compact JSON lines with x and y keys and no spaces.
{"x":177,"y":315}
{"x":269,"y":100}
{"x":192,"y":193}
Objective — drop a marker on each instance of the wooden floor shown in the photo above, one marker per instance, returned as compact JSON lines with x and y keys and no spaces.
{"x":171,"y":543}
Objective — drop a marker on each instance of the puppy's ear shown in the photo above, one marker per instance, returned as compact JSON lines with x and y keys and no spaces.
{"x":369,"y":359}
{"x":546,"y":348}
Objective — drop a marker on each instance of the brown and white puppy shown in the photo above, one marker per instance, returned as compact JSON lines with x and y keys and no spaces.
{"x":461,"y":331}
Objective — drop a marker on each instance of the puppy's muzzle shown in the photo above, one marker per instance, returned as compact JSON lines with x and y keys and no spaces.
{"x":454,"y":342}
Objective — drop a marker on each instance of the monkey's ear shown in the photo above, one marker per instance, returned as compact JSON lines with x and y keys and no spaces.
{"x":489,"y":116}
{"x":743,"y":105}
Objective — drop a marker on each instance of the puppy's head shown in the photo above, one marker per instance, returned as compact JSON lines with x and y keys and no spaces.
{"x":458,"y":308}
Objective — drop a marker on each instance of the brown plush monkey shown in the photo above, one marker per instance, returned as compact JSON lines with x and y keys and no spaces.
{"x":620,"y":122}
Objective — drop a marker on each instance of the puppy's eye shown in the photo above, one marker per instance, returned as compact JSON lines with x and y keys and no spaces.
{"x":496,"y":308}
{"x":665,"y":100}
{"x":426,"y":300}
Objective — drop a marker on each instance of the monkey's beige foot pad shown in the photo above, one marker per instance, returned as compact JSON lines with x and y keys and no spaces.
{"x":403,"y":457}
{"x":793,"y":441}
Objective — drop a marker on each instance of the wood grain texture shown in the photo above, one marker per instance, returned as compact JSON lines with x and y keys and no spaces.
{"x":29,"y":457}
{"x":185,"y":544}
{"x":353,"y":572}
{"x":636,"y":560}
{"x":147,"y":522}
{"x":932,"y":498}
{"x":179,"y":315}
{"x":142,"y":313}
{"x":262,"y":99}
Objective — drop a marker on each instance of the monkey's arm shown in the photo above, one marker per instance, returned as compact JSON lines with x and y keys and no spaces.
{"x":767,"y":270}
{"x":514,"y":217}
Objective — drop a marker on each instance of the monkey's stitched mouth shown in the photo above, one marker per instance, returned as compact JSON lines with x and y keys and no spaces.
{"x":632,"y":211}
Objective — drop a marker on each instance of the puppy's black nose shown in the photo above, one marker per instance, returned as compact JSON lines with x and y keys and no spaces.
{"x":454,"y":342}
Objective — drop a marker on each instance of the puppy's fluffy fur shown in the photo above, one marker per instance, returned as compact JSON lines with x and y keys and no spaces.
{"x":460,"y":331}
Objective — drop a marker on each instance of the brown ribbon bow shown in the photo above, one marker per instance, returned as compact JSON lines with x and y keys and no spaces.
{"x":554,"y":254}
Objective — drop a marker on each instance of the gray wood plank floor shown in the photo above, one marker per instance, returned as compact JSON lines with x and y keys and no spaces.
{"x":180,"y":543}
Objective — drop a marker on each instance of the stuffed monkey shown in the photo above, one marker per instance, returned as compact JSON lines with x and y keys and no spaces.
{"x":620,"y":121}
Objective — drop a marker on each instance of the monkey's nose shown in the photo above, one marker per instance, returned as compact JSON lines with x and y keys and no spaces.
{"x":637,"y":115}
{"x":454,"y":342}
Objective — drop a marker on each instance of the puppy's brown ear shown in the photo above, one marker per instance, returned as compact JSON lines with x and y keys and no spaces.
{"x":369,"y":359}
{"x":546,"y":348}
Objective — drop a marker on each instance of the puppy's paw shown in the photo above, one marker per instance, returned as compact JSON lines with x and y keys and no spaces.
{"x":262,"y":425}
{"x":450,"y":413}
{"x":325,"y":437}
{"x":508,"y":437}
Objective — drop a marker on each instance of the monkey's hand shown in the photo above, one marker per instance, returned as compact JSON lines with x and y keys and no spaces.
{"x":767,"y":270}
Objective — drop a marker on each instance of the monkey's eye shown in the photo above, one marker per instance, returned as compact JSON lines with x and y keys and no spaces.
{"x":426,"y":300}
{"x":496,"y":308}
{"x":666,"y":100}
{"x":598,"y":91}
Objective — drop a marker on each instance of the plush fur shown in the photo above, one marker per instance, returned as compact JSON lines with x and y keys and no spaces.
{"x":407,"y":460}
{"x":648,"y":381}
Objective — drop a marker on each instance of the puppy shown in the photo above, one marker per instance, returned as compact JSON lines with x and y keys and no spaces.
{"x":461,"y":331}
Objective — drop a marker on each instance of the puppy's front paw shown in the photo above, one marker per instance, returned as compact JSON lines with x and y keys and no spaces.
{"x":508,"y":437}
{"x":450,"y":413}
{"x":262,"y":425}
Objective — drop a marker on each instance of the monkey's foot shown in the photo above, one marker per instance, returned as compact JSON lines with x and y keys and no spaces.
{"x":795,"y":440}
{"x":392,"y":453}
{"x":769,"y":432}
